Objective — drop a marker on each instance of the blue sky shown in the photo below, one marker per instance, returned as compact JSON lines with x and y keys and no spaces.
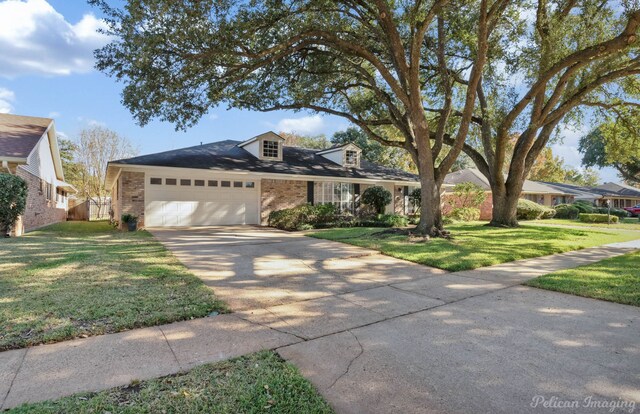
{"x":46,"y":69}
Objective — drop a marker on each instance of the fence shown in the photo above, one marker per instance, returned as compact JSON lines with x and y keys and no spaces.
{"x":90,"y":210}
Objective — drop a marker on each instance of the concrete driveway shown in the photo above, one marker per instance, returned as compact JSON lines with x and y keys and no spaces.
{"x":380,"y":335}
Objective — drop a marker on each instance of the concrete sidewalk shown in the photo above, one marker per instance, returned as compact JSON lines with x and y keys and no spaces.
{"x":368,"y":298}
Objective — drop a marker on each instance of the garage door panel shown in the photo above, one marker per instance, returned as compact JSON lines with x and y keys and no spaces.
{"x":179,"y":206}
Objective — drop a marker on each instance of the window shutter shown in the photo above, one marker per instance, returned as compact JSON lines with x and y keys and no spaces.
{"x":310,"y":192}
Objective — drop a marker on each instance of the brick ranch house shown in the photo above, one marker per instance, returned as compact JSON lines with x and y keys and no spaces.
{"x":29,"y":149}
{"x":549,"y":194}
{"x":232,"y":182}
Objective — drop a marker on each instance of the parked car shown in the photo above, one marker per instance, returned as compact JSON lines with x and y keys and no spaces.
{"x":635,"y":210}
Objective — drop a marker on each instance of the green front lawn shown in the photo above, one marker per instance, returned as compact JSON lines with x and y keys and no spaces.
{"x":628,"y":223}
{"x":76,"y":279}
{"x":616,"y":280}
{"x":476,"y":245}
{"x":256,"y":383}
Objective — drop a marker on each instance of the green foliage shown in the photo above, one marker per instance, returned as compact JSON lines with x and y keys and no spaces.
{"x":583,"y":206}
{"x":393,"y":220}
{"x":374,"y":151}
{"x":305,"y":141}
{"x":468,"y":195}
{"x":465,"y":214}
{"x":13,"y":200}
{"x":415,"y":198}
{"x":377,"y":197}
{"x":303,"y":217}
{"x":566,"y":211}
{"x":129,"y":218}
{"x":618,"y":212}
{"x":597,"y":218}
{"x":529,"y":210}
{"x":613,"y":145}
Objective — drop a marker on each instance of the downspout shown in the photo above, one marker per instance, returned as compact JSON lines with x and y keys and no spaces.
{"x":5,"y":165}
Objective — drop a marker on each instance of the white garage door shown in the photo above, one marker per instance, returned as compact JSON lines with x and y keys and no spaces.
{"x":179,"y":201}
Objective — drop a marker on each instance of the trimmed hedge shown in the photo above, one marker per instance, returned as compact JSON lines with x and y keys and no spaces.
{"x":596,"y":218}
{"x":618,"y":212}
{"x":529,"y":210}
{"x":566,"y":211}
{"x":465,"y":214}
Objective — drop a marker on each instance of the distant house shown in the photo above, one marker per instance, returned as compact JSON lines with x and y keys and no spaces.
{"x":29,"y":149}
{"x":550,"y":194}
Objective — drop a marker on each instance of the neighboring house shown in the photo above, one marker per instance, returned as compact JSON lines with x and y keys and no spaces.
{"x":550,"y":194}
{"x":232,"y":182}
{"x":29,"y":149}
{"x":536,"y":191}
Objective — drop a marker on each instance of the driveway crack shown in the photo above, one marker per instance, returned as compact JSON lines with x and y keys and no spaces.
{"x":350,"y":362}
{"x":175,"y":357}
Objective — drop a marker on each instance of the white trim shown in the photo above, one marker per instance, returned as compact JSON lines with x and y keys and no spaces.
{"x":13,"y":159}
{"x":261,"y":136}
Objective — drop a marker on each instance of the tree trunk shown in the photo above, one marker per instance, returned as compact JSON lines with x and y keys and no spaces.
{"x":505,"y":206}
{"x":430,"y":209}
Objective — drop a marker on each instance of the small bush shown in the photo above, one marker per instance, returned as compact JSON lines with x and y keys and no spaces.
{"x":465,"y":214}
{"x":393,"y":220}
{"x":596,"y":218}
{"x":618,"y":212}
{"x":376,"y":197}
{"x":529,"y":210}
{"x":566,"y":211}
{"x":13,"y":200}
{"x":415,"y":198}
{"x":291,"y":218}
{"x":583,"y":206}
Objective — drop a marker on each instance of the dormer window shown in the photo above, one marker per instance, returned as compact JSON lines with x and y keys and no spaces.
{"x":351,"y":158}
{"x":270,"y":149}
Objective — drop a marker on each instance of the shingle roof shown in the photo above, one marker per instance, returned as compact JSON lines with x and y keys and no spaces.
{"x":19,"y":134}
{"x":617,"y":189}
{"x":227,"y":156}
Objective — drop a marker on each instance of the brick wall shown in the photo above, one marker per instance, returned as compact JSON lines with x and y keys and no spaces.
{"x":39,"y":211}
{"x":450,"y":201}
{"x":130,"y":199}
{"x":280,"y":194}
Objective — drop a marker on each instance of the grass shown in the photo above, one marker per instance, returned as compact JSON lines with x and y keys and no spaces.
{"x":628,"y":223}
{"x":260,"y":382}
{"x":616,"y":280}
{"x":77,"y":279}
{"x":476,"y":245}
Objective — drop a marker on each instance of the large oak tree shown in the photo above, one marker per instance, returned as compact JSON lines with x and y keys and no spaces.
{"x":573,"y":57}
{"x":378,"y":63}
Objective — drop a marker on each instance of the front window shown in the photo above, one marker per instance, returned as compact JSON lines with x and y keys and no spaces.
{"x":340,"y":195}
{"x":270,"y":149}
{"x":351,"y":157}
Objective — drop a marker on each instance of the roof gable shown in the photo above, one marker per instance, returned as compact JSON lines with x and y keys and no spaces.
{"x":20,"y":134}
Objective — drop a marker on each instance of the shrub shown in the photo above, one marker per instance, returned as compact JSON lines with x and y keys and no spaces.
{"x":290,"y":218}
{"x":376,"y":197}
{"x":13,"y":200}
{"x":596,"y":218}
{"x":128,"y":218}
{"x":415,"y":198}
{"x":465,"y":214}
{"x":393,"y":220}
{"x":583,"y":206}
{"x":468,"y":195}
{"x":566,"y":211}
{"x":618,"y":212}
{"x":529,"y":210}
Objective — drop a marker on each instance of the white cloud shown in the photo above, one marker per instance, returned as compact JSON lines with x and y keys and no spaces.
{"x":308,"y":125}
{"x":6,"y":97}
{"x":213,"y":117}
{"x":36,"y":39}
{"x":54,"y":115}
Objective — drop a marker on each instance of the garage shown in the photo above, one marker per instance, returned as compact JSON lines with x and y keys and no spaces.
{"x":210,"y":201}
